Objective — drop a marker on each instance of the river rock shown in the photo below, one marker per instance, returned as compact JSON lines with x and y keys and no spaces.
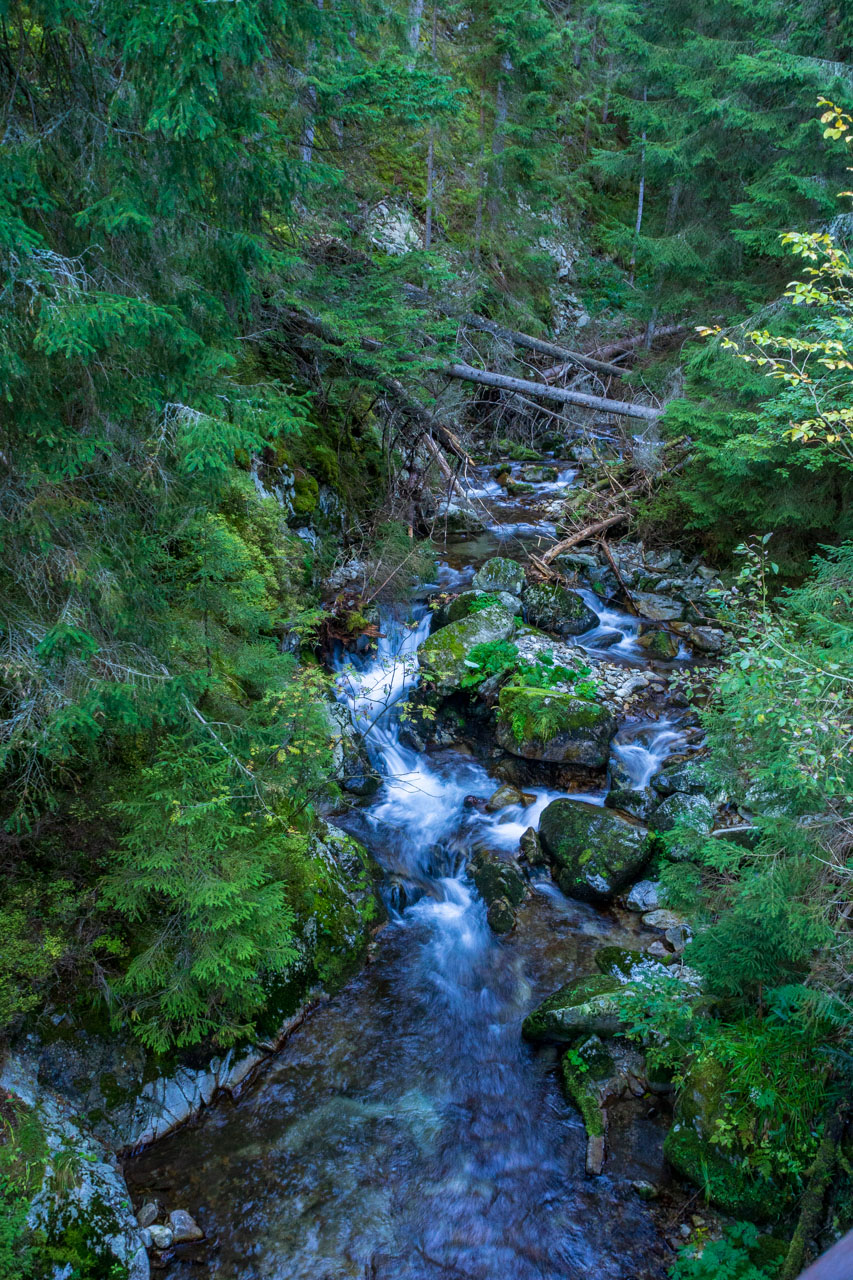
{"x":680,"y":810}
{"x":147,"y":1214}
{"x":640,"y":804}
{"x":691,"y":778}
{"x":530,"y":847}
{"x":506,"y":796}
{"x":621,"y":962}
{"x":657,"y":608}
{"x":596,"y":852}
{"x":496,"y":877}
{"x":184,"y":1227}
{"x":554,"y":608}
{"x":582,"y":1005}
{"x":645,"y":895}
{"x":500,"y":916}
{"x":445,"y":655}
{"x":554,"y":725}
{"x":500,"y":574}
{"x":658,"y":643}
{"x":161,"y":1237}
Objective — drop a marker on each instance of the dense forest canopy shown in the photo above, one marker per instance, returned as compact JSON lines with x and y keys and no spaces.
{"x":241,"y":245}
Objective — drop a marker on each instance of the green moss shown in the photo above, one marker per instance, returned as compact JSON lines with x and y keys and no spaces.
{"x":597,"y":853}
{"x":619,"y":961}
{"x":582,"y":1005}
{"x":306,"y":492}
{"x":725,"y":1182}
{"x":542,"y":714}
{"x":578,"y":1090}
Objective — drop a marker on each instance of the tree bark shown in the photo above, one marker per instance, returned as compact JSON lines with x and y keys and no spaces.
{"x":629,"y":344}
{"x":641,"y":195}
{"x":559,"y":394}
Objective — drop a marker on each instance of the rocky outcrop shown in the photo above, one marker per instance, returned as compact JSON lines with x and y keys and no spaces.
{"x":595,"y":852}
{"x":554,"y":726}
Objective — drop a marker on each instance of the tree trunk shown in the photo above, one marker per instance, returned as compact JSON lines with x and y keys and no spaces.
{"x":625,"y":345}
{"x":641,"y":194}
{"x":481,"y":188}
{"x":559,"y":394}
{"x":413,"y":25}
{"x":498,"y":142}
{"x":430,"y":190}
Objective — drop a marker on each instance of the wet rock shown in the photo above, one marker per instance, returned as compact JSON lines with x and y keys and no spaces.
{"x":691,"y":778}
{"x":640,"y":804}
{"x":554,"y":608}
{"x":500,"y":916}
{"x":458,"y":517}
{"x":184,"y":1227}
{"x":540,"y":474}
{"x":145,"y":1238}
{"x":681,"y":810}
{"x":444,"y":656}
{"x":147,"y":1214}
{"x":594,"y":1154}
{"x":644,"y":896}
{"x":596,"y":852}
{"x":582,"y":1005}
{"x":607,"y":638}
{"x":500,"y":574}
{"x":645,"y":1190}
{"x":593,"y":1076}
{"x":553,"y":725}
{"x":531,"y":850}
{"x":161,"y":1237}
{"x":657,"y":608}
{"x":658,"y":643}
{"x":506,"y":796}
{"x":497,"y":878}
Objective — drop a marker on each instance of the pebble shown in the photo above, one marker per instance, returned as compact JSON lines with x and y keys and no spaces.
{"x":147,"y":1214}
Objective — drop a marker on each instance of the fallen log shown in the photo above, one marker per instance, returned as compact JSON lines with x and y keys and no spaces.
{"x":543,"y":348}
{"x":629,"y":599}
{"x":624,"y":345}
{"x":441,"y":462}
{"x":559,"y":394}
{"x":583,"y":536}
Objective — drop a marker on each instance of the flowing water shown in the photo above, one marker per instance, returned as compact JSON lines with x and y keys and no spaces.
{"x":406,"y":1131}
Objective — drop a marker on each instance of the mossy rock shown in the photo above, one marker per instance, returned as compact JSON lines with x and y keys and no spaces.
{"x":597,"y":853}
{"x":583,"y":1067}
{"x":501,"y":916}
{"x":582,"y":1005}
{"x":691,"y":778}
{"x":552,"y":725}
{"x":516,"y":489}
{"x":444,"y":655}
{"x":640,"y":804}
{"x":680,"y":810}
{"x":495,"y":878}
{"x":726,"y":1183}
{"x":306,"y":493}
{"x":469,"y":602}
{"x":659,"y":644}
{"x":554,"y":608}
{"x":500,"y":574}
{"x":540,"y":475}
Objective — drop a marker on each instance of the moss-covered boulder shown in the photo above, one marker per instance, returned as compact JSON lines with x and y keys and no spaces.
{"x":582,"y":1005}
{"x":553,"y":608}
{"x":496,"y":877}
{"x":659,"y":644}
{"x":641,"y":804}
{"x":596,"y":852}
{"x":680,"y":810}
{"x":462,"y":606}
{"x":500,"y":574}
{"x":722,"y":1173}
{"x":444,"y":655}
{"x":550,"y":724}
{"x":621,"y":962}
{"x":500,"y":916}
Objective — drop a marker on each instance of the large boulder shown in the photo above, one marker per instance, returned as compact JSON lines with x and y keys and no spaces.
{"x":680,"y":810}
{"x":500,"y":574}
{"x":444,"y":656}
{"x":553,"y":608}
{"x":658,"y":608}
{"x":462,"y":606}
{"x":584,"y":1005}
{"x":596,"y":852}
{"x":554,"y":725}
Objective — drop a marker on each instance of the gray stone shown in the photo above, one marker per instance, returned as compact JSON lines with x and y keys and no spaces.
{"x":657,"y":608}
{"x":506,"y":796}
{"x":553,"y":608}
{"x":184,"y":1227}
{"x":644,"y":896}
{"x":445,"y":655}
{"x":681,"y":810}
{"x":147,"y":1214}
{"x":161,"y":1237}
{"x":500,"y":574}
